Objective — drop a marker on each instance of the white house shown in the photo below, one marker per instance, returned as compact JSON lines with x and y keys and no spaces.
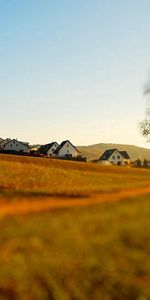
{"x":48,"y":149}
{"x":114,"y":157}
{"x":15,"y":145}
{"x":66,"y":149}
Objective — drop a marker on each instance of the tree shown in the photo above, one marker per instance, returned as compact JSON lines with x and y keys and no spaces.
{"x":145,"y":163}
{"x":138,"y":162}
{"x":145,"y":128}
{"x":145,"y":124}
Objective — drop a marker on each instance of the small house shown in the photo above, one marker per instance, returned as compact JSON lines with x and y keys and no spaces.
{"x":67,"y":149}
{"x":48,"y":149}
{"x":16,"y":146}
{"x":114,"y":157}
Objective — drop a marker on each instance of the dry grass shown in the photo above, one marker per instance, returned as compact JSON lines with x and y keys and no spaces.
{"x":78,"y":253}
{"x":35,"y":177}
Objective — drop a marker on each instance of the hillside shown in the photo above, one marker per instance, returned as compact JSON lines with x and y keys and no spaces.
{"x":95,"y":151}
{"x":32,"y":177}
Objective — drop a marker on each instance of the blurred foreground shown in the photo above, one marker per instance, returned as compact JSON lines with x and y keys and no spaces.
{"x":75,"y":252}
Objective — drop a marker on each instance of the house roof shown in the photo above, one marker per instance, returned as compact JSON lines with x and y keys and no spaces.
{"x":45,"y":148}
{"x":108,"y":153}
{"x":23,"y":143}
{"x":4,"y":140}
{"x":62,"y":144}
{"x":125,"y":154}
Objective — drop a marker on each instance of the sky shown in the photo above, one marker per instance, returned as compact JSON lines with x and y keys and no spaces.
{"x":74,"y":69}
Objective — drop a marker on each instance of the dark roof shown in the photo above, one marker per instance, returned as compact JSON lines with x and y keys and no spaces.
{"x":62,"y":144}
{"x":108,"y":153}
{"x":44,"y":148}
{"x":125,"y":154}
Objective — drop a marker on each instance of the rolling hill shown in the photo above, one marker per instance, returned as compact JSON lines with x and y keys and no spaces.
{"x":95,"y":151}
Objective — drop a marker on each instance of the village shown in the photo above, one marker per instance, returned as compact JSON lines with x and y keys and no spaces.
{"x":66,"y":150}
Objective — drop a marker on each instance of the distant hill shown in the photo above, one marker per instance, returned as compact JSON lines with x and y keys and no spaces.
{"x":95,"y":151}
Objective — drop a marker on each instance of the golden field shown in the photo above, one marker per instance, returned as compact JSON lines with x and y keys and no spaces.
{"x":73,"y":231}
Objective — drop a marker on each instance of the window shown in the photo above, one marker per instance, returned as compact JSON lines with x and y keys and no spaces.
{"x":67,"y":151}
{"x":118,"y":157}
{"x":113,"y":157}
{"x":67,"y":145}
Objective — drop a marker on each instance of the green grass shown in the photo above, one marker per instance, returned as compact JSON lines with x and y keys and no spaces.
{"x":81,"y":254}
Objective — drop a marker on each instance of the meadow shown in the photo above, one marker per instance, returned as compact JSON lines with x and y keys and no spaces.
{"x":97,"y":248}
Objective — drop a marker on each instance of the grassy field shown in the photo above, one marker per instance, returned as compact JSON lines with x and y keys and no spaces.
{"x":33,"y":177}
{"x":92,"y":252}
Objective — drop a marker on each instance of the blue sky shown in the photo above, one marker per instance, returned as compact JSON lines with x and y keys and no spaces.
{"x":73,"y":69}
